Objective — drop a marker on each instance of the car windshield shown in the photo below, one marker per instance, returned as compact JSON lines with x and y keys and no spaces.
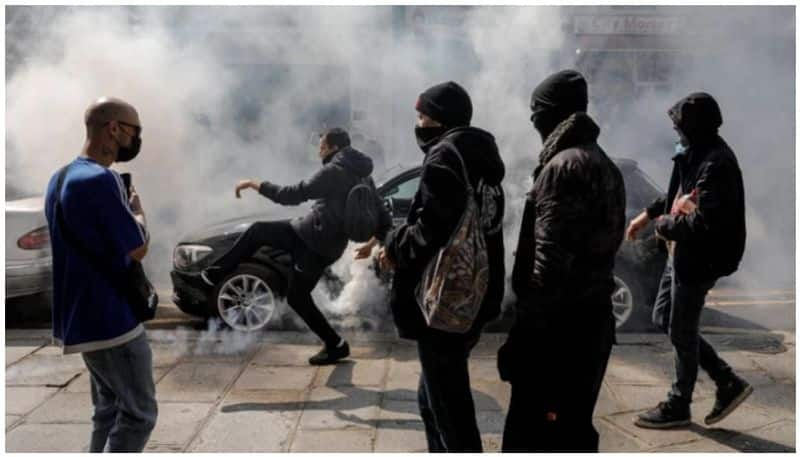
{"x":388,"y":174}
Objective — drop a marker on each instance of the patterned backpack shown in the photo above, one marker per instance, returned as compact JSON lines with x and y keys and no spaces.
{"x":455,"y":281}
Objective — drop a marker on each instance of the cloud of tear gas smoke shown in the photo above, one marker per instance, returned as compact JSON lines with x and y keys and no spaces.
{"x":232,"y":92}
{"x":216,"y":339}
{"x":362,"y":302}
{"x":744,"y":57}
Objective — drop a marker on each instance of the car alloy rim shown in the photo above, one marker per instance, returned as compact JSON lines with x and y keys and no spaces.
{"x":245,"y":302}
{"x":621,"y":302}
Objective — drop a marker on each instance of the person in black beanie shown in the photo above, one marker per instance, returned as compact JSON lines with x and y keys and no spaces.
{"x":573,"y":224}
{"x":443,"y":133}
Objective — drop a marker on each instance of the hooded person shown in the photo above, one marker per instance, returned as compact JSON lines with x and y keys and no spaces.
{"x":314,"y":241}
{"x":573,"y":224}
{"x":702,"y":220}
{"x":444,"y":134}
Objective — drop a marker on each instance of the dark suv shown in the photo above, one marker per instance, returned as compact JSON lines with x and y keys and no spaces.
{"x":246,"y":299}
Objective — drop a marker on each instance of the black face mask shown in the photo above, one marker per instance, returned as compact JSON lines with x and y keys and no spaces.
{"x":545,"y":121}
{"x":128,"y":153}
{"x":426,"y":135}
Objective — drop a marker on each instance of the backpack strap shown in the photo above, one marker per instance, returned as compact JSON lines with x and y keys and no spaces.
{"x":464,"y":174}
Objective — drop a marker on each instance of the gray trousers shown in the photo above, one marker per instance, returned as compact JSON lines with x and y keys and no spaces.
{"x":123,"y":395}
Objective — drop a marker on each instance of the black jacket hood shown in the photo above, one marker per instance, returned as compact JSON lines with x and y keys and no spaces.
{"x":698,"y":116}
{"x":479,"y":150}
{"x":354,"y":161}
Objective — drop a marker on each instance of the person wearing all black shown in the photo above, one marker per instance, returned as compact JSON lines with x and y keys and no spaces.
{"x":573,"y":223}
{"x":702,"y":220}
{"x":443,"y":133}
{"x":314,"y":241}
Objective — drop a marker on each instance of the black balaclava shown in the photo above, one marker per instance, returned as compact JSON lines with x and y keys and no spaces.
{"x":556,"y":98}
{"x":447,"y":103}
{"x":697,"y":118}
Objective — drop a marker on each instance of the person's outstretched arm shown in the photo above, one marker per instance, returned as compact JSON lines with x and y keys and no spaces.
{"x":318,"y":186}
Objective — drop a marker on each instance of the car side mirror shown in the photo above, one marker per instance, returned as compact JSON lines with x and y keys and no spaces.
{"x":388,"y":202}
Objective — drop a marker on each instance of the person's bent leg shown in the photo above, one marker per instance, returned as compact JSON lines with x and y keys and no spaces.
{"x":302,"y":281}
{"x":449,"y":395}
{"x":279,"y":235}
{"x":718,"y":370}
{"x":675,"y":411}
{"x":103,"y":399}
{"x":137,"y":396}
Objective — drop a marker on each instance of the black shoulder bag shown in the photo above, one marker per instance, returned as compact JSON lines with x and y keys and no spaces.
{"x":132,"y":283}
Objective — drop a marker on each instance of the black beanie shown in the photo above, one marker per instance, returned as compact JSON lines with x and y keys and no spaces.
{"x":565,"y":91}
{"x":447,"y":103}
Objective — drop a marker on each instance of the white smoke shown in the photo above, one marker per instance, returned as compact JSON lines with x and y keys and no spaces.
{"x":193,"y":71}
{"x":362,"y":302}
{"x":216,"y":339}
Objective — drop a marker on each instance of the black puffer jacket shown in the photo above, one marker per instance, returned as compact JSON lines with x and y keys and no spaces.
{"x":573,"y":224}
{"x":322,"y":229}
{"x":435,"y":211}
{"x":710,"y":241}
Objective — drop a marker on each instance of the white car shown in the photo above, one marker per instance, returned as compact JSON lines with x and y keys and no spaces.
{"x":29,"y":265}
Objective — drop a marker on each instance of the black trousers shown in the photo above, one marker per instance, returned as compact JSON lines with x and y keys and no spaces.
{"x":444,"y":395}
{"x":552,"y":404}
{"x":307,"y":269}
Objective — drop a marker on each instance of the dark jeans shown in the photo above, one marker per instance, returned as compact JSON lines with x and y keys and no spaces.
{"x":123,"y":395}
{"x":445,"y":398}
{"x":677,"y":312}
{"x":307,"y":269}
{"x":553,"y":398}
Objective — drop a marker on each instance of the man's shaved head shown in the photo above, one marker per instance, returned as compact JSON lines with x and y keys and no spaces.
{"x":107,"y":109}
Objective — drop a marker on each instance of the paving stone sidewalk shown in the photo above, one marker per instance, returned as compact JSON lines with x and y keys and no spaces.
{"x":230,"y":393}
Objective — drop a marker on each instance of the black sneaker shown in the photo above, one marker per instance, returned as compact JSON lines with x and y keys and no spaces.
{"x":328,"y":355}
{"x":728,"y":399}
{"x":210,"y":275}
{"x":665,"y":415}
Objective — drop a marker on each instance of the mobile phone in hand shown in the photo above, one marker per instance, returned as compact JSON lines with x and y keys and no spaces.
{"x":126,"y":180}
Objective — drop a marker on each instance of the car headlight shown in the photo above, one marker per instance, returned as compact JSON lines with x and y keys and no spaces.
{"x":186,"y":255}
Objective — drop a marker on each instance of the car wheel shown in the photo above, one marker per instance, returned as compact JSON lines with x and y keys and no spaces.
{"x":246,"y":299}
{"x":629,"y":303}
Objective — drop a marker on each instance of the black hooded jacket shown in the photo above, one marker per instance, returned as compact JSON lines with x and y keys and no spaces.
{"x":710,"y":241}
{"x":573,"y":224}
{"x":435,"y":211}
{"x":322,"y":229}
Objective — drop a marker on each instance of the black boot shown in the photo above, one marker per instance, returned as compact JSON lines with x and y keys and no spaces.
{"x":328,"y":355}
{"x":729,"y":398}
{"x":665,"y":415}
